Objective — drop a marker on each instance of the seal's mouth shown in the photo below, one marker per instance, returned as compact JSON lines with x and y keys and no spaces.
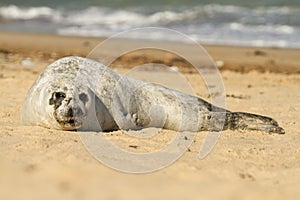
{"x":70,"y":124}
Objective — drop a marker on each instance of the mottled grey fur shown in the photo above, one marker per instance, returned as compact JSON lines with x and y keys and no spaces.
{"x":77,"y":93}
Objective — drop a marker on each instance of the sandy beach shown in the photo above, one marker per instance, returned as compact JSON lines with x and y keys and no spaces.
{"x":38,"y":163}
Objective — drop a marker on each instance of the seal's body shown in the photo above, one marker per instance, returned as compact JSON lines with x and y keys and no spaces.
{"x":76,"y":93}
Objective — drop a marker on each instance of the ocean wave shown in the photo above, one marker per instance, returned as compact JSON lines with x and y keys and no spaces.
{"x":18,"y":13}
{"x":272,"y":29}
{"x":103,"y":16}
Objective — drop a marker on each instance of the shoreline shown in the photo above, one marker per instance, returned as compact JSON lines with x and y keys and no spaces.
{"x":233,"y":58}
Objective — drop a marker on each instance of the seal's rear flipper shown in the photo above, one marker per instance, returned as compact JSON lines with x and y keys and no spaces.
{"x":248,"y":121}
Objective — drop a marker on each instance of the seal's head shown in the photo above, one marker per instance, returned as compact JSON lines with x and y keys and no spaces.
{"x":70,"y":104}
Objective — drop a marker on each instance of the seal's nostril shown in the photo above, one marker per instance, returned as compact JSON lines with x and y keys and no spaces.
{"x":78,"y":111}
{"x":70,"y":112}
{"x":68,"y":100}
{"x":73,"y":112}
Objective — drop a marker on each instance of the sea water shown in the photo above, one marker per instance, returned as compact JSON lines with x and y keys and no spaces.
{"x":272,"y":23}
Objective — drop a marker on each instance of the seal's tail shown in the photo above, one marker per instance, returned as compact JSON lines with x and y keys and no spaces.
{"x":248,"y":121}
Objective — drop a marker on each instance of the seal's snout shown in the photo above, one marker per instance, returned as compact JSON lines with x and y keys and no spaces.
{"x":68,"y":112}
{"x":70,"y":118}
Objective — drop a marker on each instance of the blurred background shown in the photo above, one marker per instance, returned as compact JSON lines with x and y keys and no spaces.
{"x":268,"y":23}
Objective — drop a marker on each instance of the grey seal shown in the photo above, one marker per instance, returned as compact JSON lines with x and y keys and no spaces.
{"x":75,"y":93}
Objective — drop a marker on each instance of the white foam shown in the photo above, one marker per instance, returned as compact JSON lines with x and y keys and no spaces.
{"x":96,"y":15}
{"x":14,"y":12}
{"x":272,"y":29}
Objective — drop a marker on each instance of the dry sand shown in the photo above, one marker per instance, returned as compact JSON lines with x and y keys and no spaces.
{"x":38,"y":163}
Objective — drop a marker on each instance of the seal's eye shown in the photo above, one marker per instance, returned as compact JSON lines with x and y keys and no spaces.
{"x":57,"y":98}
{"x":83,"y":97}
